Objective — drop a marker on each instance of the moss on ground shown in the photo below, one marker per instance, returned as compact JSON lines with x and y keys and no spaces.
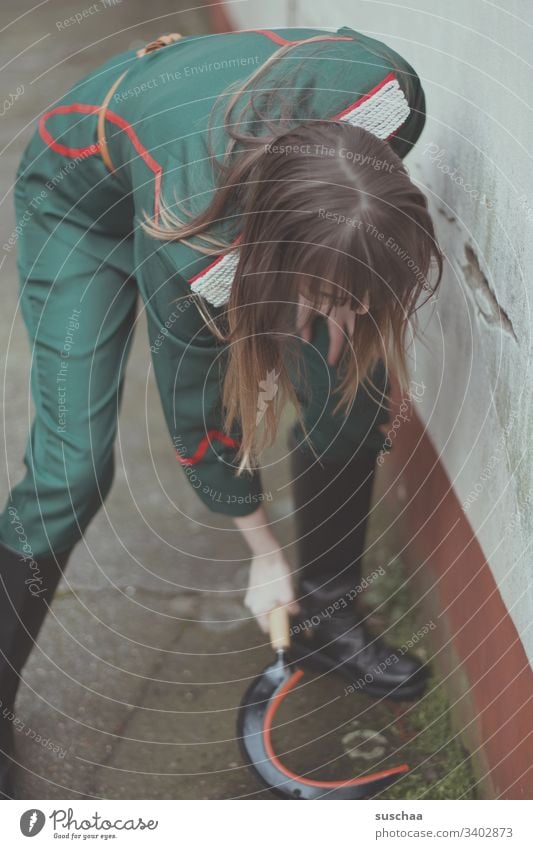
{"x":440,"y":767}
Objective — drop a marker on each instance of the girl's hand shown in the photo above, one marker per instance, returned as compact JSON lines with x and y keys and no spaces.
{"x":270,"y":586}
{"x":340,"y":320}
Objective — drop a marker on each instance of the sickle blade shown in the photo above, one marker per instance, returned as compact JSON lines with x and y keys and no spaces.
{"x":256,"y":713}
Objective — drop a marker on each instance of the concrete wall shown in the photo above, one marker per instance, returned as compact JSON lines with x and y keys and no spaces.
{"x":473,"y":161}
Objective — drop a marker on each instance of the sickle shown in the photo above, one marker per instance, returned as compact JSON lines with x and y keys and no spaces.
{"x":258,"y":708}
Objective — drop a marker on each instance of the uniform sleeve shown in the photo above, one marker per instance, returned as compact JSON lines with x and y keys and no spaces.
{"x":189,"y":364}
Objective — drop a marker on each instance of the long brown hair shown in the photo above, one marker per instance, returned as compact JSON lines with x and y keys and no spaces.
{"x":321,"y":208}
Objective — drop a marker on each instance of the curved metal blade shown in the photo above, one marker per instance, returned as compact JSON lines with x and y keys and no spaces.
{"x":256,"y":712}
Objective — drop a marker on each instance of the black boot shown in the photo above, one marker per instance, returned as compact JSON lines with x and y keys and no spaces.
{"x":331,"y":505}
{"x":26,"y":590}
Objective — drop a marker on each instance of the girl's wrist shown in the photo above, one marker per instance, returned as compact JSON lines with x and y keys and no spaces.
{"x":255,"y":529}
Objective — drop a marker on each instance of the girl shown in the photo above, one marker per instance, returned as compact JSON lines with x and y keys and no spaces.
{"x":250,"y":188}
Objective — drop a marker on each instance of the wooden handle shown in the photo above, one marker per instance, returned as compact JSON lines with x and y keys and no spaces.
{"x":279,"y":628}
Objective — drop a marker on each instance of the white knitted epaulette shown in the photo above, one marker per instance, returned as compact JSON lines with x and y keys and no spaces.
{"x":382,"y":111}
{"x":214,"y":282}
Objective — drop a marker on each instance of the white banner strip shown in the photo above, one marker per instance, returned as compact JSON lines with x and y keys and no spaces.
{"x":256,"y":825}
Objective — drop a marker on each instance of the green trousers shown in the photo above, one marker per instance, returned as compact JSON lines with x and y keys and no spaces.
{"x":84,"y":267}
{"x":80,"y":325}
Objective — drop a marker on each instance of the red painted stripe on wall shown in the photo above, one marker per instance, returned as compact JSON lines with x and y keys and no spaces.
{"x":477,"y":644}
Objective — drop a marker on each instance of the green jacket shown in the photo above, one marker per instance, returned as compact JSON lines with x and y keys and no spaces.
{"x":156,"y":129}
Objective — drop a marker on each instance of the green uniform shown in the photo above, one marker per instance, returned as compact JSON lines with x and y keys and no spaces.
{"x":84,"y":260}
